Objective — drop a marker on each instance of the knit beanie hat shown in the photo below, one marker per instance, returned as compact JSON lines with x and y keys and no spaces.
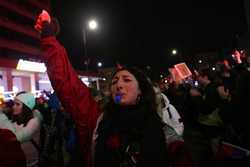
{"x":28,"y":99}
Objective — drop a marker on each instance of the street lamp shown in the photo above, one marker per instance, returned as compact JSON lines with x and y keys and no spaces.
{"x":92,"y":25}
{"x":174,"y":51}
{"x":99,"y":64}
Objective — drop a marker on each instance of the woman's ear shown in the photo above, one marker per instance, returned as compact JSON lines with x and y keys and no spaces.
{"x":138,"y":99}
{"x":139,"y":96}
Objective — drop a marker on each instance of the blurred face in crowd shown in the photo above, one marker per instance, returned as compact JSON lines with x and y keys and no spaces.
{"x":17,"y":107}
{"x":125,"y":85}
{"x":224,"y":93}
{"x":203,"y":80}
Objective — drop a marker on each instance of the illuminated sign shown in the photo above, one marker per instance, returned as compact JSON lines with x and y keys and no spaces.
{"x":25,"y":65}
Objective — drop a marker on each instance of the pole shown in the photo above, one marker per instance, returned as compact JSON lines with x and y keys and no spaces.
{"x":85,"y":52}
{"x":85,"y":49}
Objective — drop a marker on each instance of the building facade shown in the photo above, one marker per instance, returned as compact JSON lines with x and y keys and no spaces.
{"x":19,"y":43}
{"x":19,"y":40}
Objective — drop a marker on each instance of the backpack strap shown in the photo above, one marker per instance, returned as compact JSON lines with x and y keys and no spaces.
{"x":36,"y":146}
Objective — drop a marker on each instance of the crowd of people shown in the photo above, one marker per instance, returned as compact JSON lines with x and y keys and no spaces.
{"x":198,"y":121}
{"x":213,"y":105}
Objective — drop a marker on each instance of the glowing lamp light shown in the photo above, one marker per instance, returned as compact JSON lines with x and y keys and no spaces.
{"x":213,"y":68}
{"x":174,"y":51}
{"x":99,"y":64}
{"x":44,"y":81}
{"x":1,"y":89}
{"x":93,"y":25}
{"x":15,"y":89}
{"x":25,"y":65}
{"x":196,"y":83}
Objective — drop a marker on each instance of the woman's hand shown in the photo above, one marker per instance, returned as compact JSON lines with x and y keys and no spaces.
{"x":43,"y":17}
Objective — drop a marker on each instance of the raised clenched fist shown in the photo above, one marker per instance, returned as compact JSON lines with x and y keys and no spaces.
{"x":43,"y":17}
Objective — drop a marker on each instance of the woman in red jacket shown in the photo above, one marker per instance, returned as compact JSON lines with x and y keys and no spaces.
{"x":128,"y":133}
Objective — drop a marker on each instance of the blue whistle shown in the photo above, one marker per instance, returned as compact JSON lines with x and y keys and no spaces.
{"x":118,"y":99}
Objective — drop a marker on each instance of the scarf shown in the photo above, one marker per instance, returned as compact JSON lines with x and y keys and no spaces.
{"x":130,"y":137}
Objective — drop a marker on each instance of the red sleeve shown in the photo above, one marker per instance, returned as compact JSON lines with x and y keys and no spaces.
{"x":73,"y":94}
{"x":11,"y":153}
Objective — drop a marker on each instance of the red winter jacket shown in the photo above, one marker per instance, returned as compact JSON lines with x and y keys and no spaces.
{"x":77,"y":99}
{"x":11,"y":153}
{"x":73,"y":94}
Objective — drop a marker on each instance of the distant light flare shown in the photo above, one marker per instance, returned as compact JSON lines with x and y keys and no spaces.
{"x":93,"y":25}
{"x":99,"y":64}
{"x":174,"y":51}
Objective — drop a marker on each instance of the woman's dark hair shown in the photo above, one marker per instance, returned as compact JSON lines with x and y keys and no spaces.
{"x":25,"y":116}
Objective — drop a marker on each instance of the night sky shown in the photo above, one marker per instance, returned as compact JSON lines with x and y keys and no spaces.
{"x":143,"y":33}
